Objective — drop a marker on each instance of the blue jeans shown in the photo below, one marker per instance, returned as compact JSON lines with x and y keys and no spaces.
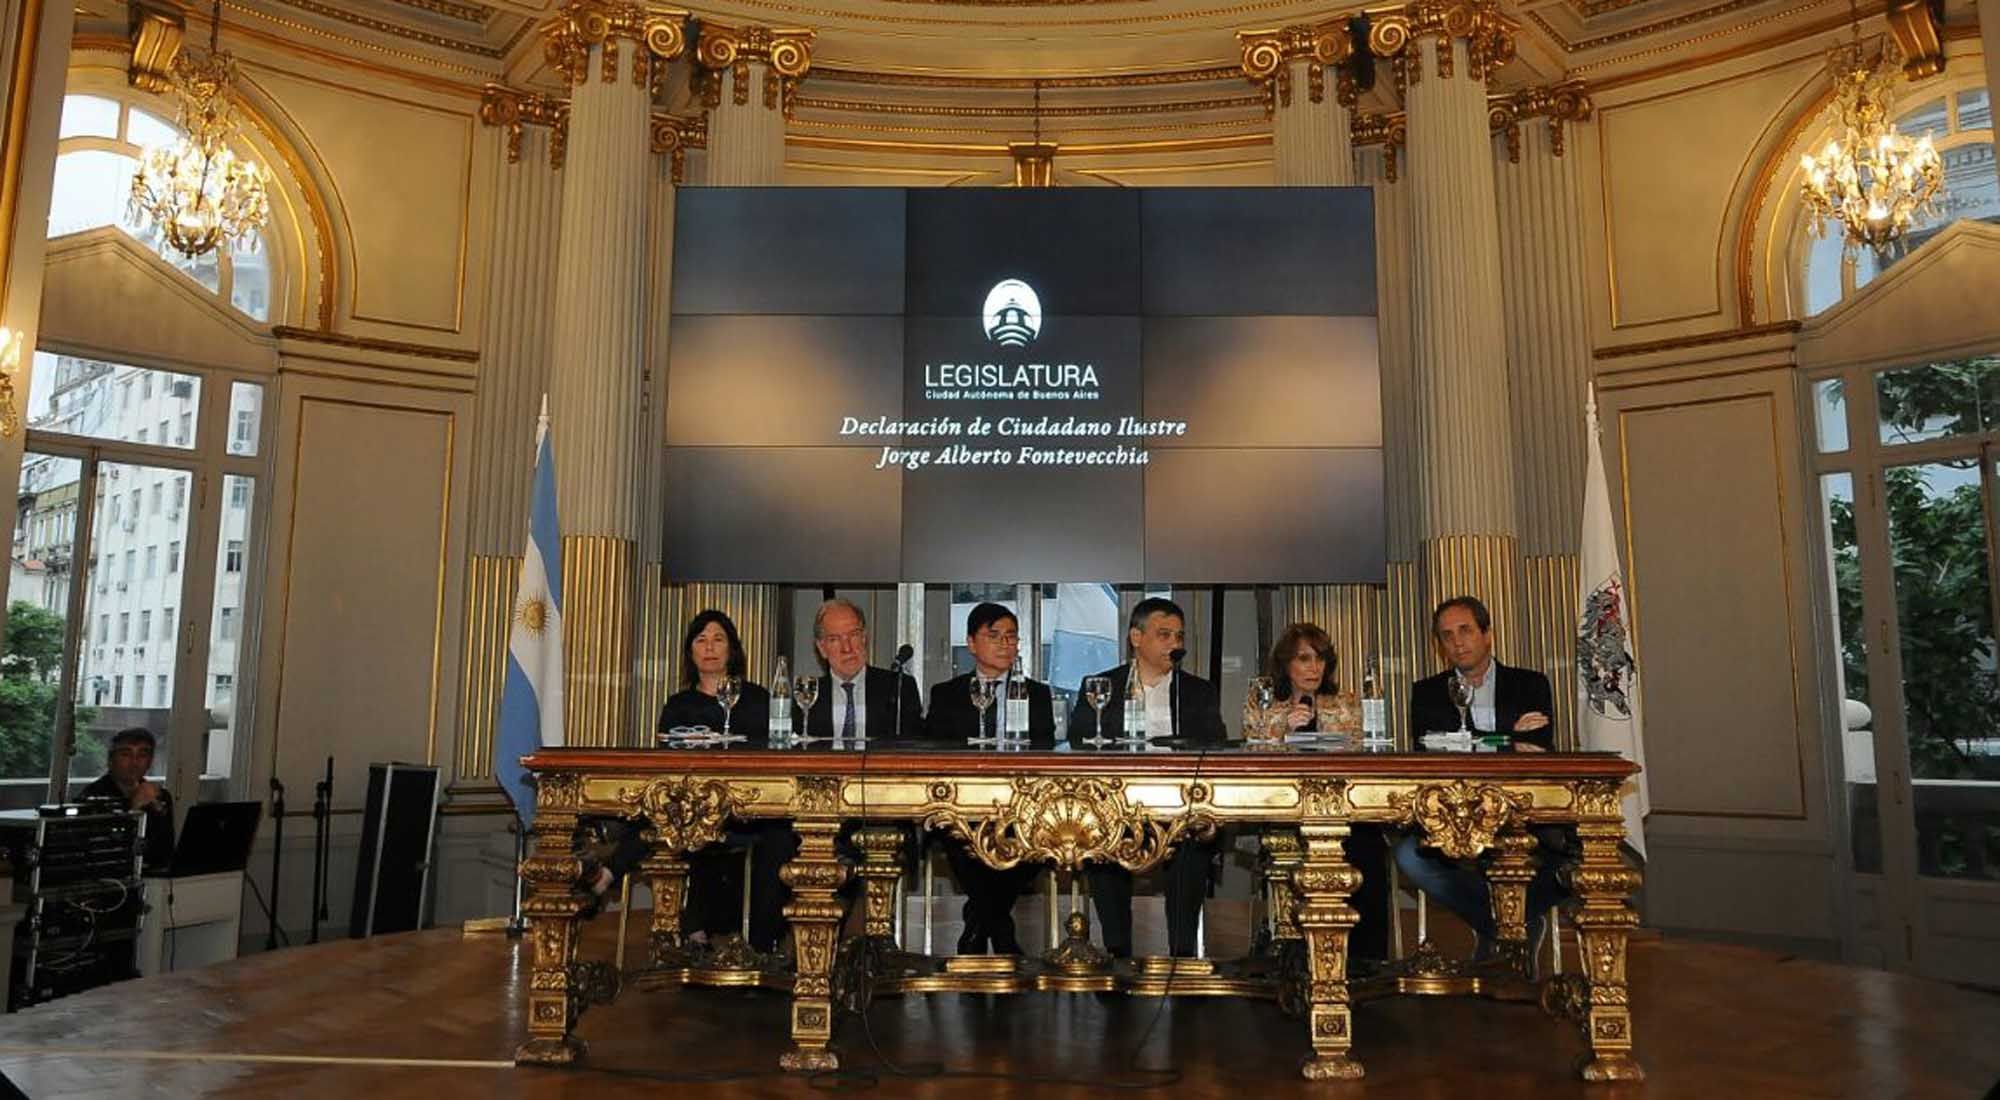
{"x":1460,"y":885}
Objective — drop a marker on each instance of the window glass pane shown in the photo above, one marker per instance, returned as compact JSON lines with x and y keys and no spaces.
{"x":1830,"y":414}
{"x":1851,"y":671}
{"x":246,"y":417}
{"x":124,"y":683}
{"x":37,"y":616}
{"x":1081,"y":633}
{"x":89,"y":116}
{"x":92,"y":188}
{"x":99,"y":400}
{"x":1925,"y":119}
{"x":1938,"y":532}
{"x":250,"y":281}
{"x":205,"y":269}
{"x":1938,"y":400}
{"x":1971,"y":187}
{"x":1867,"y":263}
{"x":146,"y":130}
{"x":1975,"y":110}
{"x":226,"y":647}
{"x":1823,"y":262}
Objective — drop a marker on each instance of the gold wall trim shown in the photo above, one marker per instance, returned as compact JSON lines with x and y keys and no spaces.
{"x":1246,"y":128}
{"x":839,"y":15}
{"x":388,"y":376}
{"x":1171,"y":145}
{"x":598,"y":575}
{"x":490,"y":584}
{"x":1024,"y":110}
{"x":464,"y":13}
{"x":240,"y":28}
{"x":367,"y":343}
{"x":20,"y":87}
{"x":1776,"y":159}
{"x":1193,"y":75}
{"x":1705,"y":339}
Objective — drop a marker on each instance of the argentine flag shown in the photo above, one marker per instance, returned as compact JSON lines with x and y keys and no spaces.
{"x":531,"y":702}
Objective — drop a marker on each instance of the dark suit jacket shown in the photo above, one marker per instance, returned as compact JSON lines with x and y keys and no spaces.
{"x":954,"y":718}
{"x":881,"y":717}
{"x":1197,"y":712}
{"x":159,"y":820}
{"x":750,"y":717}
{"x":1516,"y":691}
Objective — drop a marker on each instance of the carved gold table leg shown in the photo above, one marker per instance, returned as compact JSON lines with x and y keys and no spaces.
{"x":1283,"y":856}
{"x":814,"y":912}
{"x":1322,"y":885}
{"x":666,"y":872}
{"x":552,"y":908}
{"x":881,"y":867}
{"x":1512,"y":869}
{"x":1604,"y":921}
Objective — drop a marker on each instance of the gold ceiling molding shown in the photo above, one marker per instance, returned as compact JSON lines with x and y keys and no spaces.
{"x":397,"y":30}
{"x":657,"y":35}
{"x":1025,"y":83}
{"x":786,"y":53}
{"x":1671,"y":23}
{"x":1268,"y":56}
{"x":805,"y":11}
{"x":451,"y":9}
{"x":1239,"y":125}
{"x":1568,"y":101}
{"x":156,"y":30}
{"x":1034,"y":163}
{"x":956,"y":110}
{"x":1591,"y":9}
{"x":1489,"y":36}
{"x":977,"y":149}
{"x":1919,"y":29}
{"x":241,"y":29}
{"x":504,"y":106}
{"x":674,"y":135}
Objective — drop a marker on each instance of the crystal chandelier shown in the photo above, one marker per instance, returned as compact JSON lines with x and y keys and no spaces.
{"x":196,"y":190}
{"x":1871,"y":179}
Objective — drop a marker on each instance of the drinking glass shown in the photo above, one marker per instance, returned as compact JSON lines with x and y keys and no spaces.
{"x":1097,"y":692}
{"x":1461,"y":697}
{"x":982,"y":698}
{"x":1262,"y":695}
{"x":727,"y":691}
{"x":805,"y":690}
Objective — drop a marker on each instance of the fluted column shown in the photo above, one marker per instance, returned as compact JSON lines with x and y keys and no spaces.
{"x":612,"y":56}
{"x":747,"y":77}
{"x":1549,"y":360}
{"x":514,"y":373}
{"x":1468,"y":520}
{"x":1300,"y":68}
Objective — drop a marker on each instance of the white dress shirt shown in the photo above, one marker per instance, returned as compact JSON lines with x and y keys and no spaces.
{"x":1159,"y":701}
{"x":1485,"y":714}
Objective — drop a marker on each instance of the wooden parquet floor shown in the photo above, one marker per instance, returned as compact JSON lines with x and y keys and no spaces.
{"x":1713,"y":1022}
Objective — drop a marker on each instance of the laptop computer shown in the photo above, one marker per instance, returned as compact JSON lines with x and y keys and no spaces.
{"x":216,"y":837}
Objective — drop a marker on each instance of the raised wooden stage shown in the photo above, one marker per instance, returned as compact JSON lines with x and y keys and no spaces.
{"x":438,"y":1014}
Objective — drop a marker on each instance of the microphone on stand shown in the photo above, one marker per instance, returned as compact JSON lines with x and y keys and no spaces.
{"x":903,"y":655}
{"x":1174,"y":711}
{"x":277,"y":855}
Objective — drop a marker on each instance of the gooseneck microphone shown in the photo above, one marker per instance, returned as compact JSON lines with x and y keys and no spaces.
{"x":1174,"y":707}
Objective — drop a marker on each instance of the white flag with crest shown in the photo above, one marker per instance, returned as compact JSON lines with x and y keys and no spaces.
{"x":1608,"y":717}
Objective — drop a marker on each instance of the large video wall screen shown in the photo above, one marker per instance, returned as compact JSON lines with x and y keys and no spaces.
{"x":871,"y":385}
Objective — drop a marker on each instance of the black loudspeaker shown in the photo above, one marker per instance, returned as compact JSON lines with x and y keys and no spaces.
{"x":392,"y":872}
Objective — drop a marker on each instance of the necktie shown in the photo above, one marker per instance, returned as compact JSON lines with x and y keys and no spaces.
{"x":990,"y":718}
{"x":847,"y":716}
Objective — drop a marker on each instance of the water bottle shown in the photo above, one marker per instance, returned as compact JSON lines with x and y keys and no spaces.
{"x":1374,"y":709}
{"x":1135,"y":705}
{"x":1016,"y":714}
{"x":781,"y":699}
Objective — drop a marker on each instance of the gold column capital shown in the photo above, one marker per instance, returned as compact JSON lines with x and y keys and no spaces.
{"x":1268,"y":56}
{"x":786,"y":53}
{"x":1918,"y":26}
{"x":156,"y":30}
{"x":674,"y":135}
{"x":1391,"y":131}
{"x":500,"y":105}
{"x":1489,"y":35}
{"x":657,"y":34}
{"x":1566,"y":101}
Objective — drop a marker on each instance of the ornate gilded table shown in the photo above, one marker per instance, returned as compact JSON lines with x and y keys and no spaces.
{"x":1063,"y":807}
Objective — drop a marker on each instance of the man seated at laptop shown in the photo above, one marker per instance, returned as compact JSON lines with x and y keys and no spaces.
{"x":125,"y":780}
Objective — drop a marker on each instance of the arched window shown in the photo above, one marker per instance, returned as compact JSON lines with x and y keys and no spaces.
{"x":1960,"y":123}
{"x":102,"y":140}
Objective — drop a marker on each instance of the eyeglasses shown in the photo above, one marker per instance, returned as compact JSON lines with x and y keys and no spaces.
{"x":1003,"y":639}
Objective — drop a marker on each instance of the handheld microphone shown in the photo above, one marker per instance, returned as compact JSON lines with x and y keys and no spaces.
{"x":903,"y":655}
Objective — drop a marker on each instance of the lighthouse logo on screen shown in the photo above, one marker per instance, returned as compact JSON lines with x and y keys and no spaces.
{"x":1013,"y":313}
